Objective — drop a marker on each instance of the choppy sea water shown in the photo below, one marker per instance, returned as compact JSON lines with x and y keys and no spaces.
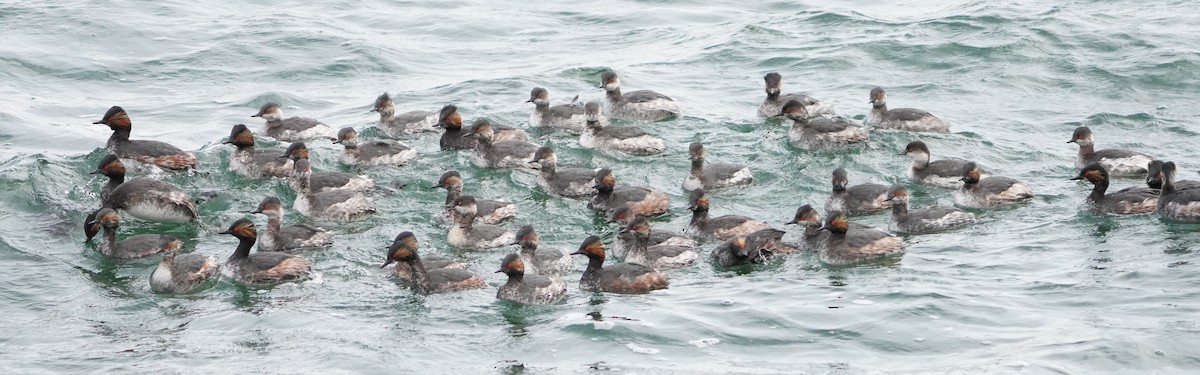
{"x":1045,"y":287}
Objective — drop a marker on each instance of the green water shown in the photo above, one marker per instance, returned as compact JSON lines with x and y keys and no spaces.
{"x":1042,"y":288}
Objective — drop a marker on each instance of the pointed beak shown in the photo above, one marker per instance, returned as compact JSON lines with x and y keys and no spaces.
{"x":1077,"y":178}
{"x":499,"y":271}
{"x":889,"y":199}
{"x":373,"y":110}
{"x":577,"y":252}
{"x":98,"y":171}
{"x":623,"y":230}
{"x":436,"y":186}
{"x":691,"y":207}
{"x":226,"y":232}
{"x":793,"y":222}
{"x":255,"y":115}
{"x":227,"y":141}
{"x":529,"y":101}
{"x":101,"y":122}
{"x":258,"y":211}
{"x":386,"y":263}
{"x":1071,"y":141}
{"x":94,"y":221}
{"x":468,"y":135}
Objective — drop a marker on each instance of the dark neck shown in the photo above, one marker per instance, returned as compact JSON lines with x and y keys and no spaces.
{"x":899,"y":210}
{"x":970,"y":184}
{"x":115,"y":180}
{"x":594,"y":124}
{"x":541,"y":108}
{"x":528,"y":249}
{"x":350,"y":145}
{"x":549,"y":169}
{"x":591,"y":275}
{"x":466,"y":220}
{"x":110,"y":238}
{"x":700,"y":218}
{"x":452,"y":194}
{"x":773,"y":97}
{"x":1168,"y":185}
{"x":879,"y":108}
{"x":604,"y":193}
{"x":119,"y":134}
{"x":242,"y":147}
{"x":168,"y":261}
{"x":812,"y":230}
{"x":641,"y":242}
{"x":1098,"y":190}
{"x":515,"y":279}
{"x":243,"y":249}
{"x":698,"y":167}
{"x":304,"y":183}
{"x":419,"y":277}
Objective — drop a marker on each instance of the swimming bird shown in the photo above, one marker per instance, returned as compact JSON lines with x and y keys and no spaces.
{"x":293,"y":128}
{"x":251,"y":162}
{"x":907,"y":119}
{"x":1118,"y":162}
{"x":145,"y":151}
{"x":642,"y":105}
{"x":396,"y":125}
{"x":714,"y":176}
{"x":773,"y":105}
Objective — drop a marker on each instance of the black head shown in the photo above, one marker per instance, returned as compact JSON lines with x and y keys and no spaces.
{"x":696,"y":151}
{"x":539,"y":96}
{"x":592,"y":247}
{"x":106,"y":217}
{"x":1168,"y":171}
{"x":609,"y":81}
{"x":592,"y":110}
{"x":836,"y":222}
{"x":698,"y":200}
{"x":110,"y":166}
{"x":840,"y":179}
{"x":622,"y":215}
{"x":243,"y":229}
{"x":1093,"y":172}
{"x":465,"y":201}
{"x":526,"y":235}
{"x":794,"y":109}
{"x":898,"y":194}
{"x":296,"y":151}
{"x":605,"y":180}
{"x":970,"y":173}
{"x":878,"y":96}
{"x":240,"y":136}
{"x":402,"y":249}
{"x":738,"y":246}
{"x":448,"y":180}
{"x":448,"y":118}
{"x":116,"y":119}
{"x":301,"y":167}
{"x":639,"y":225}
{"x":806,"y":214}
{"x":512,"y":265}
{"x":773,"y":82}
{"x":543,"y":153}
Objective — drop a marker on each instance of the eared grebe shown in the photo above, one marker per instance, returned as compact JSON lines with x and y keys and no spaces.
{"x":396,"y":125}
{"x":291,"y":129}
{"x":492,"y":153}
{"x":907,"y":119}
{"x":403,"y":270}
{"x":1182,"y":205}
{"x":531,"y":289}
{"x":714,"y":176}
{"x":488,"y":211}
{"x":1119,"y":163}
{"x":325,"y":181}
{"x":278,"y":237}
{"x":144,"y":151}
{"x":773,"y":105}
{"x":625,"y":240}
{"x":375,"y":152}
{"x":659,"y":256}
{"x":542,"y":261}
{"x":180,"y":273}
{"x":925,"y":220}
{"x":813,"y":237}
{"x":1154,"y":178}
{"x":255,"y":163}
{"x":820,"y":132}
{"x":990,"y":191}
{"x":721,"y":227}
{"x":617,"y":278}
{"x":563,"y":116}
{"x":567,"y":182}
{"x":337,"y":204}
{"x":853,"y":244}
{"x":426,"y":280}
{"x":137,"y":246}
{"x":757,"y":247}
{"x":635,"y":105}
{"x":858,"y":199}
{"x":450,"y":120}
{"x":262,"y":267}
{"x":943,"y":173}
{"x":91,"y":226}
{"x":627,"y":139}
{"x":466,"y":234}
{"x":1130,"y":201}
{"x":641,"y":200}
{"x":143,"y":197}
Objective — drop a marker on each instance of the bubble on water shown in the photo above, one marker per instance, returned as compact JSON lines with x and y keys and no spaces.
{"x":603,"y":325}
{"x":934,"y":317}
{"x":707,"y":341}
{"x":861,"y":301}
{"x":985,"y":342}
{"x":948,"y":329}
{"x":919,"y":339}
{"x":641,"y":349}
{"x":833,"y":294}
{"x":727,"y":302}
{"x":1160,"y":353}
